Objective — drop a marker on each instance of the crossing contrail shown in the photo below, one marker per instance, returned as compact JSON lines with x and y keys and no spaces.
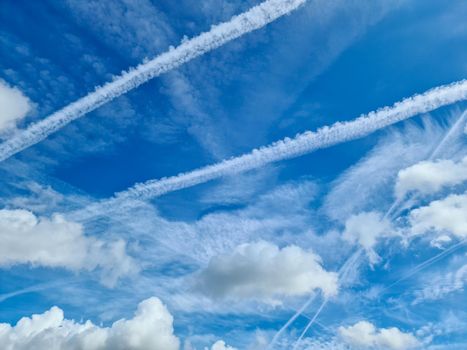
{"x":303,"y":143}
{"x":352,"y":262}
{"x":253,"y":19}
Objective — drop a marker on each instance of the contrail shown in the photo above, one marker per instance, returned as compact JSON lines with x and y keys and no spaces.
{"x":352,"y":261}
{"x":343,"y":272}
{"x":425,"y":264}
{"x":304,"y":143}
{"x":313,"y":319}
{"x":253,"y":19}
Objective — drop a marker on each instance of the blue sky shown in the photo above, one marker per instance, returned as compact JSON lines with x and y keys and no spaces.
{"x":371,"y":229}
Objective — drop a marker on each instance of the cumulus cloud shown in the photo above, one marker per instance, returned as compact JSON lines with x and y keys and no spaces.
{"x":365,"y":229}
{"x":364,"y":335}
{"x":14,"y":104}
{"x":263,"y":271}
{"x":151,"y":328}
{"x":58,"y":243}
{"x":220,"y":345}
{"x":447,"y":215}
{"x":429,"y":177}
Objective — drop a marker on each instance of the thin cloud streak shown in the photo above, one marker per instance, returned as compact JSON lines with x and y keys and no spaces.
{"x":253,"y":19}
{"x":303,"y":143}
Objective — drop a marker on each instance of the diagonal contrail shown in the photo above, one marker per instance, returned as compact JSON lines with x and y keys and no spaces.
{"x":303,"y":143}
{"x":352,"y":262}
{"x":253,"y":19}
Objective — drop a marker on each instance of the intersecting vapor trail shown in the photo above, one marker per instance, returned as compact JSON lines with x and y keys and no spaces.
{"x":353,"y":260}
{"x":253,"y":19}
{"x":343,"y":272}
{"x":303,"y":143}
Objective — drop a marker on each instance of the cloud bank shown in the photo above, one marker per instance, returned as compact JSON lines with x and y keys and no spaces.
{"x":151,"y":328}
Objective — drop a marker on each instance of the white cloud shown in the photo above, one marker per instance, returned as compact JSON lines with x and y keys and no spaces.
{"x":448,"y":215}
{"x":220,"y":345}
{"x":428,"y":177}
{"x":365,"y":229}
{"x":364,"y":335}
{"x":14,"y":105}
{"x":150,"y":329}
{"x":440,"y":241}
{"x":56,"y":242}
{"x":443,"y":284}
{"x":262,"y":271}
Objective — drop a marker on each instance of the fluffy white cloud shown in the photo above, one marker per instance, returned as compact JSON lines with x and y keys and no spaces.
{"x":220,"y":345}
{"x":262,"y":271}
{"x":151,"y":328}
{"x":14,"y":106}
{"x":56,"y":242}
{"x":448,"y":215}
{"x":365,"y":229}
{"x":428,"y":177}
{"x":364,"y":335}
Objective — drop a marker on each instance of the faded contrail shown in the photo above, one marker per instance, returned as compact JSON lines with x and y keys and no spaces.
{"x":255,"y":18}
{"x":304,"y":143}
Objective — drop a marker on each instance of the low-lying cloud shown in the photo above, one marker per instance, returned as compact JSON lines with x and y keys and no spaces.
{"x":151,"y":328}
{"x":58,"y":243}
{"x":264,"y":271}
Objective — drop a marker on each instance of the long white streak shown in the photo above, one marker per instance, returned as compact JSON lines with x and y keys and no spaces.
{"x":304,"y":143}
{"x":32,"y":289}
{"x":452,"y":131}
{"x":343,"y":272}
{"x":253,"y":19}
{"x":426,"y":263}
{"x":290,"y":321}
{"x":313,"y":319}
